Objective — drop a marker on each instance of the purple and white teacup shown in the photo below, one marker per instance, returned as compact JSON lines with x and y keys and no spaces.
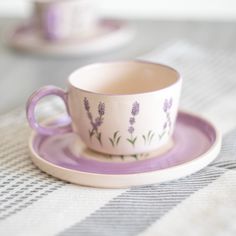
{"x":117,"y":108}
{"x":64,"y":19}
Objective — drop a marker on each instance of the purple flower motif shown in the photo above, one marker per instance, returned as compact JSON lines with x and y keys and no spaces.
{"x":135,"y":109}
{"x":131,"y":129}
{"x":166,"y":108}
{"x":170,"y":103}
{"x":86,"y":104}
{"x":95,"y":124}
{"x":98,"y":121}
{"x":166,"y":105}
{"x":134,"y":112}
{"x":101,"y":108}
{"x":132,"y":120}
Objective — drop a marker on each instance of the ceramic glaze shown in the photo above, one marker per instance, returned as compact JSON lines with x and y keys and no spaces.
{"x":196,"y":143}
{"x":118,"y":108}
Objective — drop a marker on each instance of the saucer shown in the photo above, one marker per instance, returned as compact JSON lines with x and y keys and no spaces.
{"x":109,"y":34}
{"x":196,"y":143}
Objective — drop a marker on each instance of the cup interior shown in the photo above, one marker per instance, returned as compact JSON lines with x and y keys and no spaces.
{"x":131,"y":77}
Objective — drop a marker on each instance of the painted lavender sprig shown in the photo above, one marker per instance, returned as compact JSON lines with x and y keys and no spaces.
{"x":148,"y":137}
{"x":97,"y":122}
{"x":168,"y":124}
{"x":115,"y":139}
{"x":134,"y":112}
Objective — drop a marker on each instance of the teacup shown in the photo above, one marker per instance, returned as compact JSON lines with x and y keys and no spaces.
{"x":117,"y":108}
{"x":64,"y":19}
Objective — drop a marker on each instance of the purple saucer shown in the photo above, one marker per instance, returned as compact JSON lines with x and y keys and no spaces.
{"x":196,"y":144}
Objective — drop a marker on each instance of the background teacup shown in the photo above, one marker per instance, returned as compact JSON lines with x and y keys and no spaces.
{"x":117,"y":108}
{"x":64,"y":19}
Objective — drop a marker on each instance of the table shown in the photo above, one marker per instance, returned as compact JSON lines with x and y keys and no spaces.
{"x":33,"y":203}
{"x":23,"y":73}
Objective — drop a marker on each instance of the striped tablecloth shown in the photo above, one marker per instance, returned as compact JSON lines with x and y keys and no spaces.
{"x":33,"y":203}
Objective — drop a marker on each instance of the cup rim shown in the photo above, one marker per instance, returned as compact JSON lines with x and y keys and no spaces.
{"x":178,"y":80}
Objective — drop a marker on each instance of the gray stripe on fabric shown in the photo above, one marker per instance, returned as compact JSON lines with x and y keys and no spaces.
{"x":133,"y":211}
{"x":21,"y":183}
{"x":136,"y":209}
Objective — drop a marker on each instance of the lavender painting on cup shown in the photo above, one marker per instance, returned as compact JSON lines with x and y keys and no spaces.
{"x":97,"y":122}
{"x":117,"y":108}
{"x":134,"y":112}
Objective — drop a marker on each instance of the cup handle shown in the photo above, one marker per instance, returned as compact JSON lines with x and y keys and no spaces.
{"x":63,"y":127}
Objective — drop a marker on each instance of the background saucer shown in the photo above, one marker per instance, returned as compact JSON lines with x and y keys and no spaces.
{"x":196,"y":144}
{"x":108,"y":35}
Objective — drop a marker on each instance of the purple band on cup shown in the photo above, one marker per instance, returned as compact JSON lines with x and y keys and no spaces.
{"x":30,"y":111}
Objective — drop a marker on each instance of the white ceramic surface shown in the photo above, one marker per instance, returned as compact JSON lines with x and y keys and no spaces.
{"x":118,"y":108}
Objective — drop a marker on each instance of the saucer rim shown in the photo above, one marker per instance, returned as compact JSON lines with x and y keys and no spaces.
{"x":131,"y":179}
{"x":75,"y":49}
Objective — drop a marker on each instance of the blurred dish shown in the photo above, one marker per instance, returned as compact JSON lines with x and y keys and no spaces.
{"x":109,"y":34}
